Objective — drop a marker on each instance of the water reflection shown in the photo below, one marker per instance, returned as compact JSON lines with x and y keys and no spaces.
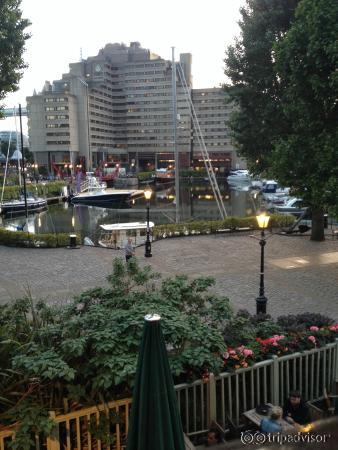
{"x":196,"y":203}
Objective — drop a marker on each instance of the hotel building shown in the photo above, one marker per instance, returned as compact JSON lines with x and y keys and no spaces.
{"x":117,"y":106}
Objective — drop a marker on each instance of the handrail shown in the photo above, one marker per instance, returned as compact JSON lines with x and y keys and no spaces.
{"x":225,"y":396}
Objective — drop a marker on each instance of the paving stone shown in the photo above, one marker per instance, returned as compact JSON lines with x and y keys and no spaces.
{"x":233,"y":260}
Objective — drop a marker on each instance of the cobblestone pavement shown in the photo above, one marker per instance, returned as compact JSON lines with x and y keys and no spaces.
{"x":300,"y":275}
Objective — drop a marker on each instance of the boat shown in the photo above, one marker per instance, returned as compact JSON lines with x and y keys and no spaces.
{"x":18,"y":207}
{"x":92,"y":192}
{"x":126,"y":181}
{"x":293,"y":205}
{"x":239,"y":176}
{"x":115,"y":235}
{"x":27,"y":202}
{"x":273,"y":193}
{"x":164,"y":175}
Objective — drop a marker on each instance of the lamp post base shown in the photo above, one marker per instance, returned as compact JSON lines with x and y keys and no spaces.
{"x":261,"y":302}
{"x":147,"y":253}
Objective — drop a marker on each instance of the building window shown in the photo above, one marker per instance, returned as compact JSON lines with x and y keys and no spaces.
{"x":56,"y":99}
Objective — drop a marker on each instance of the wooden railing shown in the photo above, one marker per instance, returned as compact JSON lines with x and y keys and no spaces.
{"x":222,"y":398}
{"x":102,"y":427}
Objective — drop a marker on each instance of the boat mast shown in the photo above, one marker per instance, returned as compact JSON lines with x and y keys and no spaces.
{"x":17,"y":145}
{"x":174,"y":105}
{"x":23,"y":164}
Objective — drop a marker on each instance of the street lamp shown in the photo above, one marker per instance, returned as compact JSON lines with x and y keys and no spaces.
{"x":36,"y":173}
{"x":147,"y":194}
{"x":261,"y":300}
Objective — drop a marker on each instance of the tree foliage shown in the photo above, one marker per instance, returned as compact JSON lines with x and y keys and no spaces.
{"x":283,"y":70}
{"x":254,"y":89}
{"x":12,"y":44}
{"x":306,"y":157}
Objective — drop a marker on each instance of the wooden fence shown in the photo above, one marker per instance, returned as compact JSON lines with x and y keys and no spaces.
{"x":223,"y":398}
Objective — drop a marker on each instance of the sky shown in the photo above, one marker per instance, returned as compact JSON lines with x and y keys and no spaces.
{"x":61,"y":29}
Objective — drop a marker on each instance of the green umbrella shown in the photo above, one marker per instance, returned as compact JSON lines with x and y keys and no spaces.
{"x":155,"y":423}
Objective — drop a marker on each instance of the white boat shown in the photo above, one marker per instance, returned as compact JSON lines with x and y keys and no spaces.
{"x":164,"y":175}
{"x":95,"y":193}
{"x":240,"y":176}
{"x":273,"y":193}
{"x":115,"y":235}
{"x":18,"y":207}
{"x":27,"y":202}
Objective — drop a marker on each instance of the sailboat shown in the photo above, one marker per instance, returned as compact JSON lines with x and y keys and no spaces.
{"x":27,"y":203}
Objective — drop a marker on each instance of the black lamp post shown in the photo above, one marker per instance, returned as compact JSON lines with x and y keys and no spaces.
{"x":261,"y":300}
{"x":147,"y":194}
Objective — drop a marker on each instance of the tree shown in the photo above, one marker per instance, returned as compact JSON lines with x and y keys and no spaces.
{"x":254,"y":88}
{"x":306,"y":155}
{"x":283,"y":73}
{"x":12,"y":45}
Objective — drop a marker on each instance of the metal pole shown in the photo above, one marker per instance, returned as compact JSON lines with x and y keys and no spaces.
{"x":261,"y":300}
{"x":17,"y":146}
{"x":85,"y":84}
{"x":147,"y":253}
{"x":90,"y":162}
{"x":23,"y":164}
{"x":174,"y":105}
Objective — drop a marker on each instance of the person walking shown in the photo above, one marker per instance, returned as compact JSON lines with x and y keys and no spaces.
{"x":129,"y":249}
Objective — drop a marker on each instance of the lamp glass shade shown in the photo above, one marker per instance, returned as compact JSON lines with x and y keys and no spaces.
{"x":263,"y":220}
{"x":147,"y":193}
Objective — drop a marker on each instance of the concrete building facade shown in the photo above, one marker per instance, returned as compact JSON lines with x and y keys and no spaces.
{"x":118,"y":106}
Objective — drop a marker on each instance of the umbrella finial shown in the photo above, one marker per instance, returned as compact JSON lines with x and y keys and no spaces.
{"x":152,"y":317}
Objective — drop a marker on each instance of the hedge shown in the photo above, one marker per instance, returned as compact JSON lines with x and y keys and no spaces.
{"x":193,"y":173}
{"x":218,"y":226}
{"x":24,"y":239}
{"x":144,"y":176}
{"x":52,"y":189}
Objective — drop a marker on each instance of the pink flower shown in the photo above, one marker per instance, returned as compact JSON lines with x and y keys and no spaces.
{"x":240,"y":349}
{"x":278,"y":338}
{"x":232,"y":352}
{"x":314,"y":328}
{"x":247,"y":352}
{"x":226,"y":355}
{"x":312,"y":339}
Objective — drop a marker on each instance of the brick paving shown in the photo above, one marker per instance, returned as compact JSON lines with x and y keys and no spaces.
{"x":300,"y":275}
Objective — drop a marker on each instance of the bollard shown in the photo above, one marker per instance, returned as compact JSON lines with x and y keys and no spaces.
{"x":72,"y":241}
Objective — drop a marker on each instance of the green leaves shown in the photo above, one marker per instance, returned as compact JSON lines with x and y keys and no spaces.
{"x":88,"y":349}
{"x":283,"y":70}
{"x":255,"y":88}
{"x":47,"y":365}
{"x":12,"y":42}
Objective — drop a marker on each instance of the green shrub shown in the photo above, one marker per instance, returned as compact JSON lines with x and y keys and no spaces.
{"x":51,"y":189}
{"x":24,"y":239}
{"x":216,"y":226}
{"x":143,"y":176}
{"x":92,"y":342}
{"x":193,"y":173}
